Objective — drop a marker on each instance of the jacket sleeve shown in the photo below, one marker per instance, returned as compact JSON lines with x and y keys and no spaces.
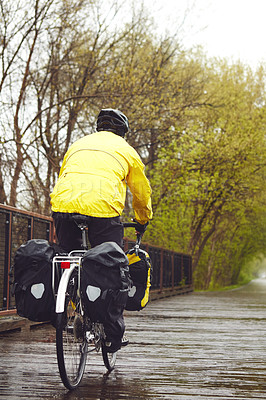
{"x":140,"y":189}
{"x":63,"y":164}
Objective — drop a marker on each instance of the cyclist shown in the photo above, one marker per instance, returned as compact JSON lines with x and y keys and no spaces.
{"x":93,"y":178}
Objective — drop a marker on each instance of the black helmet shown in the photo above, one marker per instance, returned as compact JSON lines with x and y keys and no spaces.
{"x":112,"y":120}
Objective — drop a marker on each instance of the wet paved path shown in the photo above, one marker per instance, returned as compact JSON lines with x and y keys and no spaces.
{"x":197,"y":346}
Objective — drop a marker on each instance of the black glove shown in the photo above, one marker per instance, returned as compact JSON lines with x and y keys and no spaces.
{"x":141,"y":228}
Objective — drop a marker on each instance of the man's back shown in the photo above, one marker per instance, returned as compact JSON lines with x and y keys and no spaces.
{"x":94,"y":174}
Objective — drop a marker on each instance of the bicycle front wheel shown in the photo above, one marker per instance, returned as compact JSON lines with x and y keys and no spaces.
{"x":71,"y":343}
{"x":109,"y":359}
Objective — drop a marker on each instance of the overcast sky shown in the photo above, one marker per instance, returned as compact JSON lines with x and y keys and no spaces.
{"x":225,"y":28}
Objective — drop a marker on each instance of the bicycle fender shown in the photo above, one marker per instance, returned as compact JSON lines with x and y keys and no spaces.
{"x":61,"y":294}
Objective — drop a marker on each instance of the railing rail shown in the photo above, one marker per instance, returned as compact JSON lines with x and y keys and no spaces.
{"x":171,"y":271}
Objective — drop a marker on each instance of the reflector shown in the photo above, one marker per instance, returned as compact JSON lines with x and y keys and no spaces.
{"x":65,"y":264}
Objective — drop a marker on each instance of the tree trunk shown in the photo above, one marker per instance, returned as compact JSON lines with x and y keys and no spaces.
{"x":16,"y":175}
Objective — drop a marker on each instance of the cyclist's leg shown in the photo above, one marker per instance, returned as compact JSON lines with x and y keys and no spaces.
{"x":67,"y":232}
{"x":102,"y":230}
{"x":105,"y":230}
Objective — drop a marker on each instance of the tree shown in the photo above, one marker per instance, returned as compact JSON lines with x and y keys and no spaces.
{"x":72,"y":70}
{"x":212,"y":168}
{"x":19,"y":39}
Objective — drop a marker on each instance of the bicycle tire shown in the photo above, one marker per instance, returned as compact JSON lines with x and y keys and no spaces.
{"x":71,"y":343}
{"x":109,"y":359}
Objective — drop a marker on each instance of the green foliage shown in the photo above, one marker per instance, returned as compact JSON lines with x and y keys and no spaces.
{"x":213,"y":174}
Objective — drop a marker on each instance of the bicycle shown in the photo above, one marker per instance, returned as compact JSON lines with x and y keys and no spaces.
{"x":76,"y":334}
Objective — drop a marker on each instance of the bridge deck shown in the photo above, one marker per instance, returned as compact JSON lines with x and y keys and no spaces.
{"x":196,"y":346}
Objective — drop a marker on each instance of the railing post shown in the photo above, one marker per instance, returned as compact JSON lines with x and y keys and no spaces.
{"x":182,"y":268}
{"x":173,"y":270}
{"x":161,"y":271}
{"x":190,"y":272}
{"x":126,"y":244}
{"x":30,"y":228}
{"x":8,"y":249}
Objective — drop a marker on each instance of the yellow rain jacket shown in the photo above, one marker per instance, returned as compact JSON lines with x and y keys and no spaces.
{"x":93,"y":178}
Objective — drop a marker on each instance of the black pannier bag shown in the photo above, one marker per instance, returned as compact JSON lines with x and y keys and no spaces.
{"x":32,"y":284}
{"x":105,"y":282}
{"x":140,"y":271}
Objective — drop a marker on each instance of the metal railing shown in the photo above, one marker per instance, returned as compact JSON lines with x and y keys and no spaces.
{"x":171,"y":271}
{"x":16,"y":227}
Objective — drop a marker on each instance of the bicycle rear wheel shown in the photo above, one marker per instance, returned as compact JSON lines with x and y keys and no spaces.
{"x":71,"y":343}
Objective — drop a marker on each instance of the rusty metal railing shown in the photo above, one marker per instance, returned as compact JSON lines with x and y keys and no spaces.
{"x":16,"y":227}
{"x":172,"y":271}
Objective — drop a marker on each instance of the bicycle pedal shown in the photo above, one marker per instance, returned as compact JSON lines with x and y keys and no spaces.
{"x":89,"y":337}
{"x":69,"y":329}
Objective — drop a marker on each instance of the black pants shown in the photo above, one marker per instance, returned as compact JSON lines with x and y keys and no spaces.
{"x":100,"y":230}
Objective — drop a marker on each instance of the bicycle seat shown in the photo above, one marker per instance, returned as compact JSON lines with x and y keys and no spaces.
{"x":80,"y":219}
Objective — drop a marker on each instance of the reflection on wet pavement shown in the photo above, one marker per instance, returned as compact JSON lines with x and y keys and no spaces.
{"x":198,"y":346}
